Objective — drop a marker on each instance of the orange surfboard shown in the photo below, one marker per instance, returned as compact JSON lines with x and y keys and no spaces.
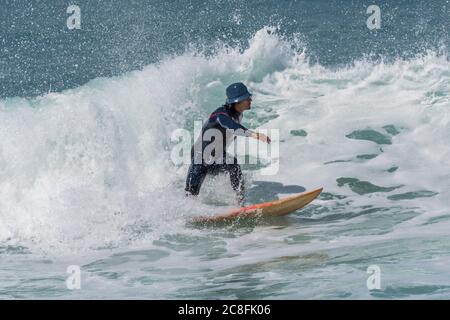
{"x":266,"y":209}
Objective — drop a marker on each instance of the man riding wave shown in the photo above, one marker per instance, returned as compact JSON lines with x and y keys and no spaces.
{"x":225,"y":120}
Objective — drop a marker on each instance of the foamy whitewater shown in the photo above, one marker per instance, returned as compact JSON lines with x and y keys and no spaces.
{"x":86,"y":179}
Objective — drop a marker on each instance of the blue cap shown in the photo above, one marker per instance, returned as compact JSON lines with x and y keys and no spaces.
{"x":237,"y":92}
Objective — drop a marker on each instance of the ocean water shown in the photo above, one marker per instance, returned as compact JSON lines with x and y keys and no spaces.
{"x":86,"y":177}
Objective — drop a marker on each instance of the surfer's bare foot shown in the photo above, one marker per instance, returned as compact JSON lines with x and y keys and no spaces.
{"x":187,"y":194}
{"x":240,"y":201}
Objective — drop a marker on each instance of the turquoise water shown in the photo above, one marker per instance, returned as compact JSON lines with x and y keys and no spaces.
{"x":86,"y":176}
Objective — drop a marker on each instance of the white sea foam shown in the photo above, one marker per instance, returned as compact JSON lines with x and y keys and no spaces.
{"x":90,"y":167}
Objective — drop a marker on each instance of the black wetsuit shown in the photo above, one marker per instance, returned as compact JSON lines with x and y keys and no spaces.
{"x":222,"y":118}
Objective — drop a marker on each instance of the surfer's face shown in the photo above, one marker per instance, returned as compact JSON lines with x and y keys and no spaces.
{"x":244,"y":105}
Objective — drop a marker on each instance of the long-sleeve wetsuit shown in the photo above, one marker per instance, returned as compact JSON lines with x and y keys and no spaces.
{"x":223,"y":119}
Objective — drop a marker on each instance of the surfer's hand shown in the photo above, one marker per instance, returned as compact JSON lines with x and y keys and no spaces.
{"x":262,"y":137}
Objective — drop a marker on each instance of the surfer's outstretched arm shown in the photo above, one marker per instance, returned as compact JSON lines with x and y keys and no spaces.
{"x":226,"y":122}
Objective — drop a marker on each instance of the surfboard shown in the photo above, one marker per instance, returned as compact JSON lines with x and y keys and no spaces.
{"x":275,"y":208}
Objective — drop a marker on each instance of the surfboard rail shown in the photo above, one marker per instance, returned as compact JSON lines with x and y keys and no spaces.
{"x":266,"y":209}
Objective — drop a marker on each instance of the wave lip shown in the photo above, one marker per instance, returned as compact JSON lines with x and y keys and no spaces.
{"x":88,"y":165}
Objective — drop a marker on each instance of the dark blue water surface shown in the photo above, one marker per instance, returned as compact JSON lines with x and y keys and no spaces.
{"x":39,"y":53}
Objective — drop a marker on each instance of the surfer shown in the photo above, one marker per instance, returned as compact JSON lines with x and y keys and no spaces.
{"x":226,"y":119}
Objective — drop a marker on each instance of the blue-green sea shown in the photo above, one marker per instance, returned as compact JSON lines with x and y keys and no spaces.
{"x":87,"y":117}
